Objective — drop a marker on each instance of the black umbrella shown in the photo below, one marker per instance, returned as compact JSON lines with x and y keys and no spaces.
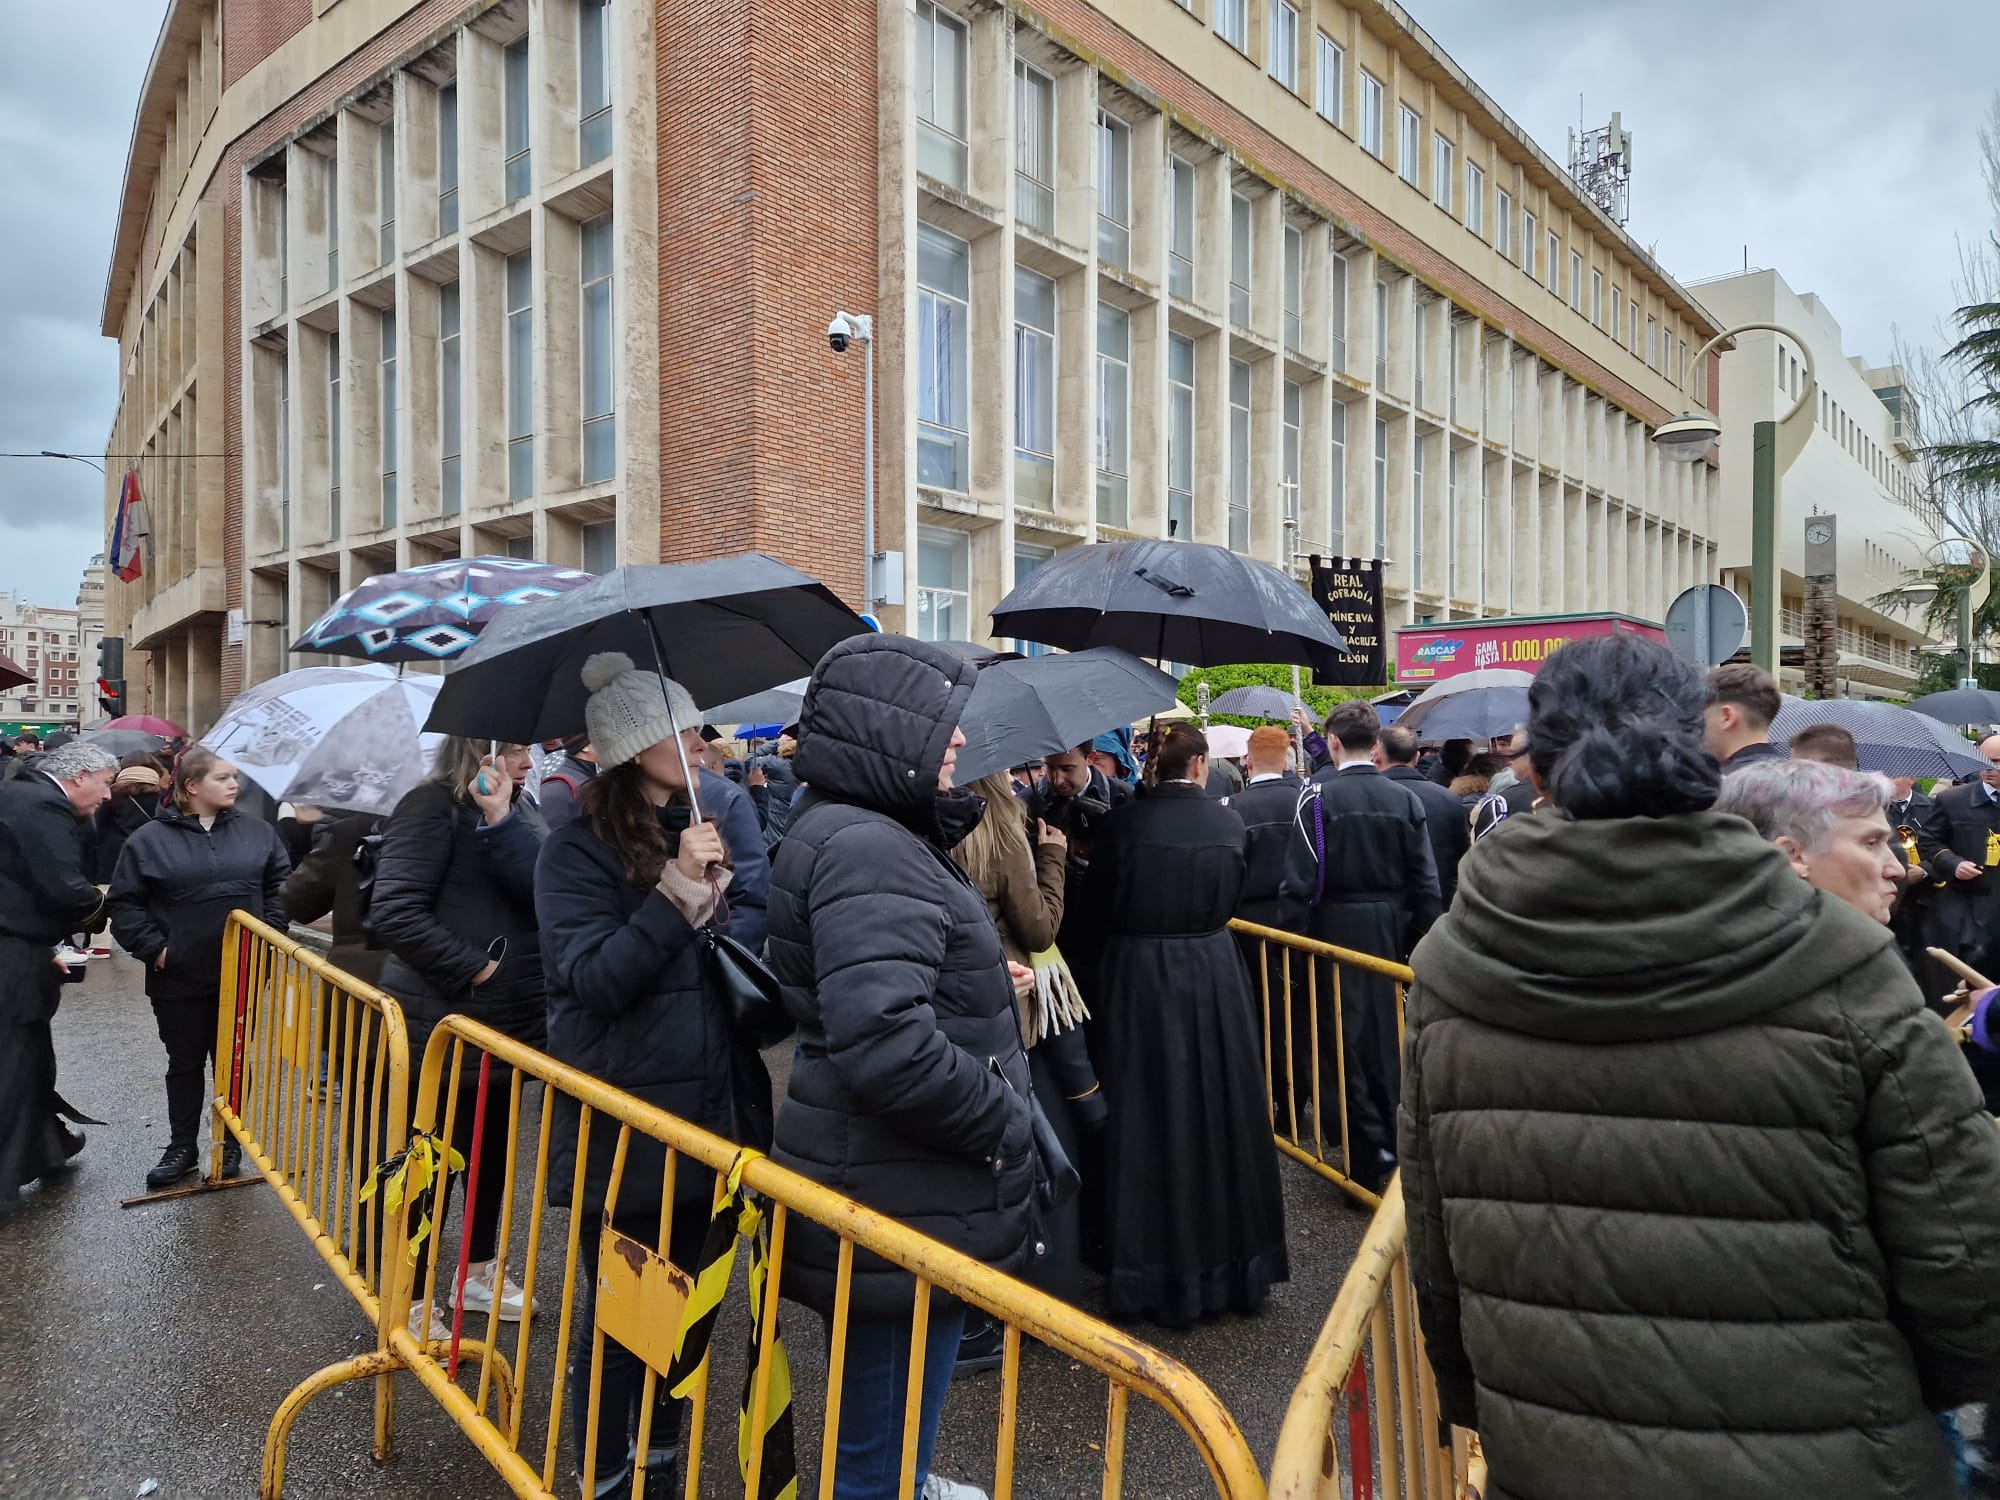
{"x":1026,"y":708}
{"x":1959,"y":706}
{"x":723,"y":628}
{"x":122,"y":742}
{"x":1476,"y":705}
{"x":1255,"y":702}
{"x":1172,"y":601}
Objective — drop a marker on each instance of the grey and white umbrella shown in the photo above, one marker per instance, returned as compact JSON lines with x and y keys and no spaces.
{"x":1887,"y":738}
{"x":342,"y":737}
{"x":1255,"y":702}
{"x":1476,"y":705}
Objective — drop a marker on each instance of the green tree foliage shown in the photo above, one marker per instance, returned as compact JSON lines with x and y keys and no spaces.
{"x":1221,"y":679}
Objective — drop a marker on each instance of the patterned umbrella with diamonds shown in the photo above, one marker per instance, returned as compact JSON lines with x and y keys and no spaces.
{"x":433,"y":612}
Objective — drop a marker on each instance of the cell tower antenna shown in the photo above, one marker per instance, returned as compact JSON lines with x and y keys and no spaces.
{"x":1600,"y":162}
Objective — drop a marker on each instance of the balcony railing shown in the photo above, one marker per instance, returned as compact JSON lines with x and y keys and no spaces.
{"x":1792,"y":622}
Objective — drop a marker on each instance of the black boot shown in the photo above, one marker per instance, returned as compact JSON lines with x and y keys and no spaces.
{"x":981,"y":1346}
{"x":176,"y":1162}
{"x":232,"y":1157}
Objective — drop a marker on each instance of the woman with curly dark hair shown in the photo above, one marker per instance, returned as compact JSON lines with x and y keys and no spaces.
{"x":1701,"y":1201}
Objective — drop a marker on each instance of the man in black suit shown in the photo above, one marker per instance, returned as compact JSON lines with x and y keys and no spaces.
{"x":1907,"y":811}
{"x":1445,"y":817}
{"x":1959,"y":841}
{"x":1267,"y":805}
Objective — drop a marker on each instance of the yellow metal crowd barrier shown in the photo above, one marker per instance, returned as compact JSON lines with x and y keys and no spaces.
{"x":1364,"y":1420}
{"x":313,"y":1078}
{"x":1299,"y":983}
{"x":642,"y":1298}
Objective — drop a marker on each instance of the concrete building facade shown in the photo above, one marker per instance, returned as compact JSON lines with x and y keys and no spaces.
{"x":1856,"y":466}
{"x":400,"y":280}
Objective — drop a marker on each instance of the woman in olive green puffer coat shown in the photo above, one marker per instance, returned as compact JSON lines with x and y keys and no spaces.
{"x":1702,"y":1202}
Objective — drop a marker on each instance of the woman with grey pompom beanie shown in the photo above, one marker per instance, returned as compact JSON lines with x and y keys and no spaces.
{"x":621,"y":894}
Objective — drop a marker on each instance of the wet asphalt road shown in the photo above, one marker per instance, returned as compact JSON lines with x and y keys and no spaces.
{"x":154,"y":1343}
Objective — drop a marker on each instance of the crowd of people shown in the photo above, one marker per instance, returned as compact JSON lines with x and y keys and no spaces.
{"x":1700,"y":1196}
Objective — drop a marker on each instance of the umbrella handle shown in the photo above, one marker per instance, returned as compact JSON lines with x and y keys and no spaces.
{"x":680,"y":749}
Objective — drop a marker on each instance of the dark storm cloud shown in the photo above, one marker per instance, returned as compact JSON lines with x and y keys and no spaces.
{"x":67,"y":94}
{"x":1835,"y":140}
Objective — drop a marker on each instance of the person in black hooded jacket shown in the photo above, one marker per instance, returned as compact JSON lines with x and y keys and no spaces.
{"x":454,"y":903}
{"x":177,"y":880}
{"x":620,"y":892}
{"x":909,"y":1089}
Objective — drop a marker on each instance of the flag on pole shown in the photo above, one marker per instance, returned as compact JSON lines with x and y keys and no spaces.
{"x":132,"y":533}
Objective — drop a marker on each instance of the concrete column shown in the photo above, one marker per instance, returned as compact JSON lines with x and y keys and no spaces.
{"x":1266,"y":460}
{"x":1076,"y":158}
{"x":990,"y":108}
{"x":553,"y":81}
{"x":1267,"y":266}
{"x":481,"y":124}
{"x":558,"y":353}
{"x":1076,"y":395}
{"x":636,"y":287}
{"x":417,"y":445}
{"x":1150,"y":420}
{"x":1211,"y":236}
{"x":990,"y":371}
{"x":483,"y":378}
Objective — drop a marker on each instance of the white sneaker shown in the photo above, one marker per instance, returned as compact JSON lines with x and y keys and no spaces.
{"x":417,"y":1311}
{"x":937,"y":1487}
{"x":480,"y":1281}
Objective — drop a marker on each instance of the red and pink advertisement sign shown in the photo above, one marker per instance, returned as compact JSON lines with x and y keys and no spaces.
{"x":1431,"y":653}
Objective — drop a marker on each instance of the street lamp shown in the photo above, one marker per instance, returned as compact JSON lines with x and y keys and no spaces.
{"x":1688,"y":438}
{"x":75,"y":458}
{"x":859,"y":328}
{"x":1971,"y":594}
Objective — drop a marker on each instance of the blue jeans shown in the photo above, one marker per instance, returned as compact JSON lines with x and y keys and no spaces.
{"x":873,"y":1393}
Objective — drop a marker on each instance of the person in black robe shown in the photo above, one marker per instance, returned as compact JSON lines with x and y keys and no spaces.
{"x":1194,"y":1218}
{"x":1361,"y":869}
{"x":1267,"y":806}
{"x":1959,"y":841}
{"x":45,"y":896}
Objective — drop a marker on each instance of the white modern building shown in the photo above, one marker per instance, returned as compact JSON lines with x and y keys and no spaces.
{"x":1856,"y":466}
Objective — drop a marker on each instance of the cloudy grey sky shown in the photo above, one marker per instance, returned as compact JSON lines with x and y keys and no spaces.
{"x":1834,"y":138}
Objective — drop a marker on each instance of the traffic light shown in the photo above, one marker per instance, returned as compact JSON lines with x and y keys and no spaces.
{"x":111,"y":695}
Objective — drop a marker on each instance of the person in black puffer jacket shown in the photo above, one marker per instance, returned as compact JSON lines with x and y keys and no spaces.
{"x":135,"y":799}
{"x":454,"y":903}
{"x":909,"y":1089}
{"x":177,"y":880}
{"x":619,"y":893}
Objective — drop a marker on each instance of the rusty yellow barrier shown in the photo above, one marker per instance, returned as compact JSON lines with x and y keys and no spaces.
{"x":313,"y":1079}
{"x":1298,"y":983}
{"x":494,"y":1409}
{"x":1364,"y":1420}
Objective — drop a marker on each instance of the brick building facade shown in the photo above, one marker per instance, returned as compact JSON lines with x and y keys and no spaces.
{"x":400,"y":280}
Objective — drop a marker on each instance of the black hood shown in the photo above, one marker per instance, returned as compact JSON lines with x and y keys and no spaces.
{"x":1630,"y":929}
{"x":876,"y":721}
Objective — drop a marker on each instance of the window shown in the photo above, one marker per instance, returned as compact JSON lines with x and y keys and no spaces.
{"x":1295,"y":274}
{"x":450,"y":397}
{"x":1337,"y":482}
{"x":1114,"y":412}
{"x":284,"y":454}
{"x":1652,"y":342}
{"x":600,"y":546}
{"x":943,"y":283}
{"x":1381,"y":488}
{"x":1575,"y":281}
{"x":1681,"y":364}
{"x":332,"y":181}
{"x":1475,"y":199}
{"x":941,"y":54}
{"x":514,"y":111}
{"x":1232,"y":23}
{"x":1409,"y":143}
{"x":593,"y":94}
{"x":1180,"y":214}
{"x":1617,"y":310}
{"x":1528,"y":242}
{"x":1371,"y":114}
{"x":1293,"y":416}
{"x":1239,"y":259}
{"x":389,"y":410}
{"x":1034,"y":389}
{"x":944,"y":592}
{"x":1503,"y":223}
{"x":1328,"y":79}
{"x":448,"y":159}
{"x":520,"y":375}
{"x":1180,"y":437}
{"x":1632,"y":323}
{"x":1417,"y":510}
{"x":1336,"y":297}
{"x":333,"y":435}
{"x":1381,"y":335}
{"x":1239,"y":455}
{"x":1597,"y":298}
{"x":1114,"y":190}
{"x":1553,"y":262}
{"x":1444,"y":173}
{"x":1285,"y":43}
{"x":600,"y":421}
{"x":1027,"y":558}
{"x":1034,"y":148}
{"x":385,"y":190}
{"x":522,"y":546}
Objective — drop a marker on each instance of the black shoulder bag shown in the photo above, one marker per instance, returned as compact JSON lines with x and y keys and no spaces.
{"x":744,"y":986}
